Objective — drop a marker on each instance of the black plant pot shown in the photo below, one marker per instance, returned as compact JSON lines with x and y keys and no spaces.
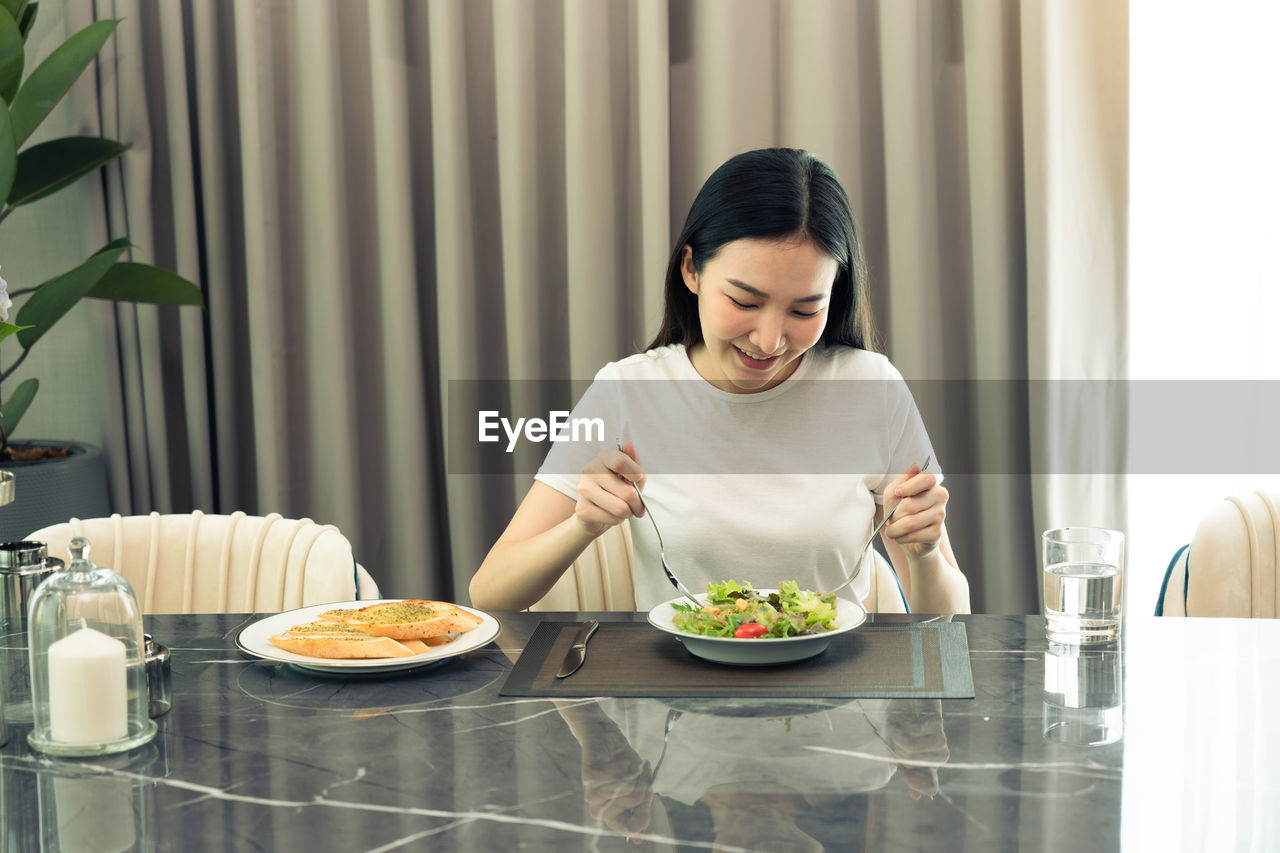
{"x":48,"y":491}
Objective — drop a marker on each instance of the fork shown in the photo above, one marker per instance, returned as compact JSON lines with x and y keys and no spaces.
{"x":857,"y":566}
{"x":662,"y":554}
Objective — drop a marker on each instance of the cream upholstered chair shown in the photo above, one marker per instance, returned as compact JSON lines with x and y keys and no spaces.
{"x":198,"y":563}
{"x":1229,"y":568}
{"x":601,"y":579}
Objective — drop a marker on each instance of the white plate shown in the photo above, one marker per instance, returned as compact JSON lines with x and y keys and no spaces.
{"x":253,"y":640}
{"x":760,"y":651}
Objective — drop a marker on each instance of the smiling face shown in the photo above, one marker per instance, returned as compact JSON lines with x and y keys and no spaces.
{"x":761,"y":305}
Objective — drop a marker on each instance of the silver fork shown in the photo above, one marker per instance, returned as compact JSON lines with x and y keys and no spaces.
{"x":662,"y":554}
{"x":857,"y":566}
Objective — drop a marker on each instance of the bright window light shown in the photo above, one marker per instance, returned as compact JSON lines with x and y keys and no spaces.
{"x":1204,"y":218}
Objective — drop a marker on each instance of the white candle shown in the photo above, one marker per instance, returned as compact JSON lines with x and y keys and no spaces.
{"x":88,"y":695}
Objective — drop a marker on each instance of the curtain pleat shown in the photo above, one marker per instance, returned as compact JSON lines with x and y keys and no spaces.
{"x":460,"y":62}
{"x":187,"y":476}
{"x":913,"y":330}
{"x":595,"y":119}
{"x":260,"y":230}
{"x":1075,"y":123}
{"x":329,"y":133}
{"x":386,"y":202}
{"x":127,"y":386}
{"x":531,"y":210}
{"x":529,"y":111}
{"x":1003,"y":531}
{"x":651,"y":160}
{"x":404,"y":446}
{"x":224,"y":220}
{"x":724,"y":88}
{"x":820,"y":91}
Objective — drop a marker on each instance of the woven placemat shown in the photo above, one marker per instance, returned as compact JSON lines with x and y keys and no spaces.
{"x":890,"y":660}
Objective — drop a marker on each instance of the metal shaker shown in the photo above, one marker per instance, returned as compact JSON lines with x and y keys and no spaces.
{"x":7,"y":489}
{"x":23,"y":567}
{"x":157,"y":661}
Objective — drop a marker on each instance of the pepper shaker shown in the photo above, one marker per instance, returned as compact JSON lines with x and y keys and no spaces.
{"x":157,"y":657}
{"x":23,"y":567}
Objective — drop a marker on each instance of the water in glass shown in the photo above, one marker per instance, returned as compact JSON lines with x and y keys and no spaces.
{"x":1082,"y":602}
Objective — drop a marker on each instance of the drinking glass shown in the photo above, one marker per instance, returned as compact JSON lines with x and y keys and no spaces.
{"x":1083,"y":573}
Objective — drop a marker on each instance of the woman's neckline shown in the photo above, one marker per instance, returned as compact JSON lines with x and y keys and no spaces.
{"x":802,"y":369}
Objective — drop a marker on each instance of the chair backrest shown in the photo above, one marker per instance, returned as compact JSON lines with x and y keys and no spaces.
{"x":885,"y":595}
{"x":198,"y":563}
{"x":1230,"y":567}
{"x":601,"y":579}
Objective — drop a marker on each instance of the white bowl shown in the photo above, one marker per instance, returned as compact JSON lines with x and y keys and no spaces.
{"x":759,"y":651}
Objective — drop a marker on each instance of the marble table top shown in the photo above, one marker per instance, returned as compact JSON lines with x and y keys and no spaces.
{"x":1163,"y":742}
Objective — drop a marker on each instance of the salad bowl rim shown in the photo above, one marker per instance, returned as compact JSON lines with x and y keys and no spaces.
{"x":850,"y":613}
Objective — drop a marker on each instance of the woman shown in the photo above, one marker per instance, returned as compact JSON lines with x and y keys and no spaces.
{"x":770,"y":445}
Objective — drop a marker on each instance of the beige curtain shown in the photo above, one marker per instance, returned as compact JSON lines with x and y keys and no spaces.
{"x":384,"y":197}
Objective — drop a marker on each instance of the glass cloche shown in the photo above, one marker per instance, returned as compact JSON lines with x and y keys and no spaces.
{"x":88,"y":671}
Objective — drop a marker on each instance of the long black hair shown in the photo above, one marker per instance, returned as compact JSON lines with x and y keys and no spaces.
{"x":772,"y":193}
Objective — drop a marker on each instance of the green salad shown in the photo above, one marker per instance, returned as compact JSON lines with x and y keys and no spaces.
{"x":738,"y":610}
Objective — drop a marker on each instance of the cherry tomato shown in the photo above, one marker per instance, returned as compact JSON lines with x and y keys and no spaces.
{"x":750,"y":630}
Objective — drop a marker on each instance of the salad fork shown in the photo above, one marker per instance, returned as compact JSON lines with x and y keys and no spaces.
{"x":662,"y":554}
{"x":862,"y":555}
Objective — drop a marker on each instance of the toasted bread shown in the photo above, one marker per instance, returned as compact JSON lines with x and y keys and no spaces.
{"x":336,"y":615}
{"x":341,"y":646}
{"x":329,"y":628}
{"x":413,"y":619}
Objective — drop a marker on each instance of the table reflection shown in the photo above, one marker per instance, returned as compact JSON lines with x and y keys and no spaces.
{"x":1083,"y":697}
{"x":103,"y":806}
{"x":756,"y":768}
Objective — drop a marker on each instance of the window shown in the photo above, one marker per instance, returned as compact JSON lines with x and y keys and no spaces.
{"x":1204,"y":276}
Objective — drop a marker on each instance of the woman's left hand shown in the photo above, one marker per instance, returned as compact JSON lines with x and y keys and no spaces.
{"x":918,"y":524}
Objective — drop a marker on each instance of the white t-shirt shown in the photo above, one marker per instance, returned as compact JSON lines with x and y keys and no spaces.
{"x":777,"y":485}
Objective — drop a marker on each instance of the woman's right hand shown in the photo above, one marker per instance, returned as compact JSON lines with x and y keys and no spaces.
{"x":605,"y":495}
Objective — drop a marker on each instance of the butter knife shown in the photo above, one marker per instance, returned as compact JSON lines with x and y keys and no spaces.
{"x":578,"y":651}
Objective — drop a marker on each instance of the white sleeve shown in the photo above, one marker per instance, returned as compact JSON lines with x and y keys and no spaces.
{"x":591,"y":428}
{"x":907,"y":439}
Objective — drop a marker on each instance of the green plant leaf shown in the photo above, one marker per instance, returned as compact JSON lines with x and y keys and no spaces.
{"x":16,"y":406}
{"x":7,"y":329}
{"x":8,"y":153}
{"x":118,"y":243}
{"x":12,"y":57}
{"x":27,"y":21}
{"x":57,"y":296}
{"x":13,"y":7}
{"x":130,"y":282}
{"x":50,"y":166}
{"x":52,"y":78}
